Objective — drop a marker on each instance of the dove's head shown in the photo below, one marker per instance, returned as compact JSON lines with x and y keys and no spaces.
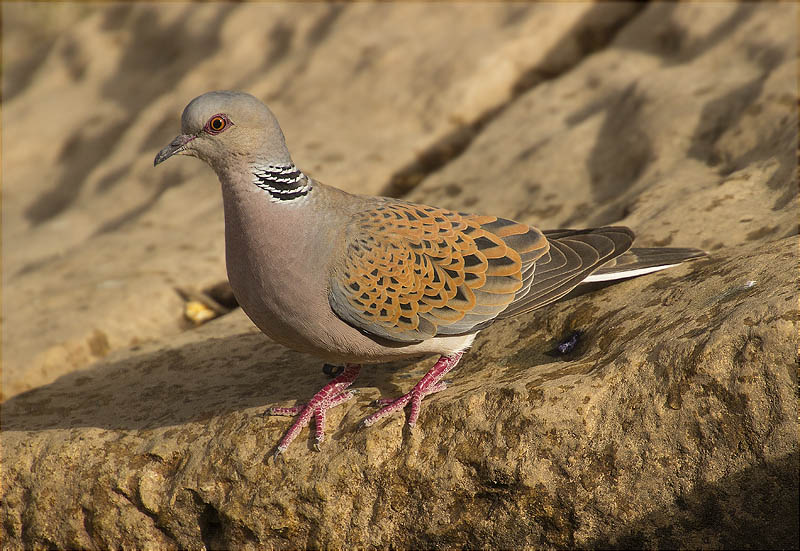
{"x":224,"y":127}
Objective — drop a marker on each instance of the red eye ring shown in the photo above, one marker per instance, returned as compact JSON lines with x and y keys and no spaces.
{"x":217,"y":124}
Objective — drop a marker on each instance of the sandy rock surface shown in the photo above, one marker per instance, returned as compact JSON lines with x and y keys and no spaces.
{"x":674,"y":422}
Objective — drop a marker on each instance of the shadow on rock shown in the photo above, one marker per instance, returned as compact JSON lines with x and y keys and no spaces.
{"x":173,"y":386}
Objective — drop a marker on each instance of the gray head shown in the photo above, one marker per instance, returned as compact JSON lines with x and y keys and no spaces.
{"x":223,"y":127}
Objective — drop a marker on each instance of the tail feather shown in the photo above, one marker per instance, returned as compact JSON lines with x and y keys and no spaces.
{"x":640,"y":261}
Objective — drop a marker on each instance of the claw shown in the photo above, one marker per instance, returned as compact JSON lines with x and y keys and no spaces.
{"x":284,"y":412}
{"x":429,"y":384}
{"x":331,"y":395}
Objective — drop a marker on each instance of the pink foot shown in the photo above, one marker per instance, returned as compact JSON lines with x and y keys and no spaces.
{"x":430,"y":383}
{"x":331,"y":395}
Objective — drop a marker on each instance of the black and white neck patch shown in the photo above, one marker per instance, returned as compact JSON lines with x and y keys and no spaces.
{"x":282,"y":182}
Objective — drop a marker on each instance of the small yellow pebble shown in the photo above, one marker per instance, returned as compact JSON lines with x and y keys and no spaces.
{"x":198,"y":313}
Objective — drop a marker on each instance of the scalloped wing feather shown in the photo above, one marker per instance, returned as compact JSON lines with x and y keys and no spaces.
{"x":411,"y":272}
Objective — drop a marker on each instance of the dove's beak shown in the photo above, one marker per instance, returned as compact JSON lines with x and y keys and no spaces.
{"x":176,"y":146}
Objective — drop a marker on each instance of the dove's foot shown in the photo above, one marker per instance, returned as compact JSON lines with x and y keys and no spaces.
{"x":331,"y":395}
{"x":430,"y":383}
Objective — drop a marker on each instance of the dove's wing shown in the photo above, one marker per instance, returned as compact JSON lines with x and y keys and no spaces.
{"x":411,"y":272}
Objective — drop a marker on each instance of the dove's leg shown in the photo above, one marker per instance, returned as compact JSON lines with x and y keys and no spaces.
{"x":430,"y":383}
{"x":331,"y":395}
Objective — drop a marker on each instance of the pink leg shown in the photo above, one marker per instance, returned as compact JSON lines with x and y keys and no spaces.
{"x":331,"y":395}
{"x":430,"y":383}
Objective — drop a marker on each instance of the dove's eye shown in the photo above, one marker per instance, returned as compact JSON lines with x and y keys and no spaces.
{"x":217,"y":124}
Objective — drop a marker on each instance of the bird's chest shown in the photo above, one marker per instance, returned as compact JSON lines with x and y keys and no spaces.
{"x":277,"y":278}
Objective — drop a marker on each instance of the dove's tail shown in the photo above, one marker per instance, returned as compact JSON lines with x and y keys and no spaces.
{"x":640,"y":261}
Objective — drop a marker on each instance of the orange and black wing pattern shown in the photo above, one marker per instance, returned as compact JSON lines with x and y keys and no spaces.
{"x":410,"y":272}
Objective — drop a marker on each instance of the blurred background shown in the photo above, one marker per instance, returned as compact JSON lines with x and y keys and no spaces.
{"x":679,"y":120}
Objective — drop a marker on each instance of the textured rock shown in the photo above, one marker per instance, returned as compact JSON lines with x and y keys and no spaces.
{"x":709,"y":161}
{"x":672,"y":424}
